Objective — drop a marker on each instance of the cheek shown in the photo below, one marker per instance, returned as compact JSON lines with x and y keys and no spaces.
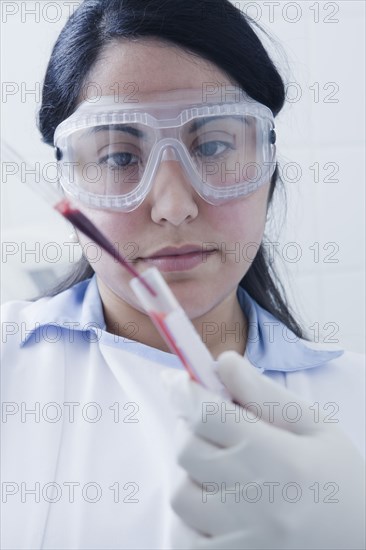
{"x":119,"y":227}
{"x":240,"y":226}
{"x":124,"y":232}
{"x":244,"y":221}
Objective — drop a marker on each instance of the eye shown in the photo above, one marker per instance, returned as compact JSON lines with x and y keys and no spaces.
{"x":212,"y":148}
{"x":119,"y":160}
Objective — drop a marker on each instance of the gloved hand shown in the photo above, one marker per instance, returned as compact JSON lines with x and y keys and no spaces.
{"x":264,"y":472}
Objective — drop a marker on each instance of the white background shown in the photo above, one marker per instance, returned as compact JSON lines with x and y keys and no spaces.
{"x":322,"y":125}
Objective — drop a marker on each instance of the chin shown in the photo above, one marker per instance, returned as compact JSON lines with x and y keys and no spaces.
{"x":196,"y":298}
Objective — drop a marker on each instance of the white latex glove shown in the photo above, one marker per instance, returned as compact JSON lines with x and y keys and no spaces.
{"x":266,"y":482}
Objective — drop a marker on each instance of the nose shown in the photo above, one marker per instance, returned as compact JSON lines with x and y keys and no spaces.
{"x":172,"y":197}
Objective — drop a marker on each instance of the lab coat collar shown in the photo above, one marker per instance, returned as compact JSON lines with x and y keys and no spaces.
{"x":270,"y":344}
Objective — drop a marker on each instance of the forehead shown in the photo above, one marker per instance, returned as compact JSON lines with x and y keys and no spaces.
{"x":143,"y":67}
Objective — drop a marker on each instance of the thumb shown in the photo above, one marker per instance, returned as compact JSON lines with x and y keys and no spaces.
{"x":186,"y":396}
{"x":269,"y":400}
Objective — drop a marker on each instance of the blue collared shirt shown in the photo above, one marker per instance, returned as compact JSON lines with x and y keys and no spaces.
{"x":271,"y":346}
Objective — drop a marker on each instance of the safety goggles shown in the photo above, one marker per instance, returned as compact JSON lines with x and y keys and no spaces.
{"x":110,"y":152}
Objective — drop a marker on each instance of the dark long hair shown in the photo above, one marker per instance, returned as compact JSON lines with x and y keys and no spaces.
{"x":212,"y":29}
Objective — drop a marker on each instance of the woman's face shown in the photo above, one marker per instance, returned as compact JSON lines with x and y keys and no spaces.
{"x":173,"y":214}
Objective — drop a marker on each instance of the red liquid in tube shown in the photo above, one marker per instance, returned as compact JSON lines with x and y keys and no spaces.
{"x":80,"y":221}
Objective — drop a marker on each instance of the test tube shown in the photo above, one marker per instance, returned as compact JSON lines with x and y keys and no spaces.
{"x":177,"y":330}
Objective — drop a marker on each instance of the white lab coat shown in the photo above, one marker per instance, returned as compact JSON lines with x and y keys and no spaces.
{"x":93,"y":466}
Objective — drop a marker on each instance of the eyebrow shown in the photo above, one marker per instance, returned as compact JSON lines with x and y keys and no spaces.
{"x":200,"y":122}
{"x":140,"y":134}
{"x":119,"y":128}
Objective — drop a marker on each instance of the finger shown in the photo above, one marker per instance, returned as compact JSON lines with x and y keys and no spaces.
{"x":185,"y":395}
{"x":271,"y":401}
{"x":219,"y":421}
{"x":186,"y":503}
{"x":202,"y":460}
{"x":205,"y":508}
{"x":179,"y":536}
{"x":244,"y":462}
{"x":234,"y":541}
{"x":214,"y":509}
{"x":239,"y":540}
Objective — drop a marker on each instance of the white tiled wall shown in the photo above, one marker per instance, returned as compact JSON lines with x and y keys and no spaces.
{"x":329,"y":291}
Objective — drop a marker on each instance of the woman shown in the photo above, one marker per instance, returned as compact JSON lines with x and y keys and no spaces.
{"x":90,"y":457}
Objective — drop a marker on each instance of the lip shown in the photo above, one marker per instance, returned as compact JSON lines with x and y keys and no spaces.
{"x":178,"y":259}
{"x":178,"y":251}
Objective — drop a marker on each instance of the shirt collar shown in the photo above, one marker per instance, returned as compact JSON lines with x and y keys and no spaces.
{"x":270,"y":344}
{"x":273,"y":346}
